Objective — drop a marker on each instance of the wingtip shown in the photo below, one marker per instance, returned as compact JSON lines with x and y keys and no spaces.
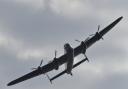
{"x":121,"y":17}
{"x":9,"y":84}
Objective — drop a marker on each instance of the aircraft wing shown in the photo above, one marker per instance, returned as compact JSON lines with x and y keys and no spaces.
{"x":94,"y":38}
{"x":25,"y":77}
{"x":37,"y":72}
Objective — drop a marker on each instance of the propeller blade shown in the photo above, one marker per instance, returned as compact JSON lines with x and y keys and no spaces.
{"x":33,"y":68}
{"x":77,"y":40}
{"x":38,"y":66}
{"x":102,"y":38}
{"x":49,"y":78}
{"x":98,"y":28}
{"x":86,"y":39}
{"x":87,"y":59}
{"x":49,"y":61}
{"x":55,"y":53}
{"x":92,"y":35}
{"x":41,"y":62}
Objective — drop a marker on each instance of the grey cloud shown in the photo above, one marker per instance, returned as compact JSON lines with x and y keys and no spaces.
{"x":111,"y":5}
{"x":114,"y":81}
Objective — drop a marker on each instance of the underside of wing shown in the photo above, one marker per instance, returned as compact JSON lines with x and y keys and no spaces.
{"x":25,"y":77}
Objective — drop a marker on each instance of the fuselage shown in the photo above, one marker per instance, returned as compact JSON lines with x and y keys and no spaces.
{"x":69,"y":51}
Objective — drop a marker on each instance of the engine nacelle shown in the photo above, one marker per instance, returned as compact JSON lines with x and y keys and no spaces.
{"x":57,"y":64}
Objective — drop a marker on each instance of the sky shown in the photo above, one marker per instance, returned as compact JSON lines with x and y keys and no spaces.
{"x":31,"y":30}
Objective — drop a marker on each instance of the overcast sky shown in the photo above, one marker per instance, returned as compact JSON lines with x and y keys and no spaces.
{"x":33,"y":29}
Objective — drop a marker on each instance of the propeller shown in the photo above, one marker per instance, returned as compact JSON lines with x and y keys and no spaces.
{"x":38,"y":66}
{"x":54,"y":57}
{"x":41,"y":62}
{"x":49,"y":78}
{"x":82,"y":41}
{"x":98,"y":28}
{"x":86,"y":57}
{"x":77,"y":41}
{"x":55,"y":54}
{"x":97,"y":32}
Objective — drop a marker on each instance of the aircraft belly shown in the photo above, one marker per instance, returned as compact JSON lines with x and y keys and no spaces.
{"x":70,"y":61}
